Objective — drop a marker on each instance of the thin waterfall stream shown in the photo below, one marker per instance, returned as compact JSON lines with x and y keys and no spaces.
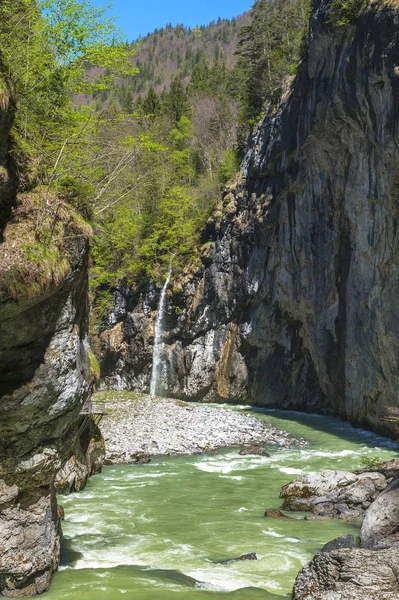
{"x":156,"y":360}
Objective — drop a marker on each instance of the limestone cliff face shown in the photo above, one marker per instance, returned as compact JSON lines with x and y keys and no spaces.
{"x":44,"y":380}
{"x":295,"y":305}
{"x":44,"y":374}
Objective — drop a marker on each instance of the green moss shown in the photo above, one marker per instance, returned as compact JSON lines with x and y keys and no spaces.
{"x":94,"y":368}
{"x":35,"y":254}
{"x":371,"y":461}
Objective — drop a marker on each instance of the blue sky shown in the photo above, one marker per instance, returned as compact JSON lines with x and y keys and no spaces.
{"x":138,"y":17}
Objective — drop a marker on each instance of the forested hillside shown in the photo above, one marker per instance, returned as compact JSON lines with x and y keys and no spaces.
{"x":181,"y":127}
{"x":163,"y":127}
{"x":170,"y":51}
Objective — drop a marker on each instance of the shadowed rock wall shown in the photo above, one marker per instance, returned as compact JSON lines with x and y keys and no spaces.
{"x":44,"y":381}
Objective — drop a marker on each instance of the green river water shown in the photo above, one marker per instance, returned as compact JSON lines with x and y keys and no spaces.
{"x":157,"y":531}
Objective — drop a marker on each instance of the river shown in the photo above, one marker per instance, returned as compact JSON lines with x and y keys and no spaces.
{"x":151,"y":532}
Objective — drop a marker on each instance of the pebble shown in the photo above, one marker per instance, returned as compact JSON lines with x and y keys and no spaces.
{"x":159,"y":426}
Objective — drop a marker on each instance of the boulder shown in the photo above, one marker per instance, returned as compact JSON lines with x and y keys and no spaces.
{"x":345,"y":541}
{"x":319,"y":484}
{"x":381,"y":522}
{"x":334,"y":494}
{"x":390,"y":469}
{"x":254,"y":449}
{"x":141,"y":458}
{"x":249,"y":556}
{"x":274,"y":513}
{"x":350,"y":574}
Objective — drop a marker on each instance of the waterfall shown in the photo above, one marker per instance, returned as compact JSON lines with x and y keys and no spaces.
{"x":156,"y":358}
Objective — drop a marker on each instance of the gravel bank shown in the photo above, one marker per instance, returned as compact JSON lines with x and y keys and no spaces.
{"x":138,"y":424}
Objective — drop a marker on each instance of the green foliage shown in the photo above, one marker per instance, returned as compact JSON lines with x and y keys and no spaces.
{"x":371,"y":461}
{"x":46,"y":48}
{"x":145,"y":166}
{"x":345,"y":12}
{"x":269,"y":50}
{"x":177,"y":103}
{"x":34,"y":256}
{"x":160,"y":217}
{"x":79,"y":34}
{"x":229,"y":165}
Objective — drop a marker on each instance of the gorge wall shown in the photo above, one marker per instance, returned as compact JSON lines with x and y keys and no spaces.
{"x":295,"y":304}
{"x":44,"y":380}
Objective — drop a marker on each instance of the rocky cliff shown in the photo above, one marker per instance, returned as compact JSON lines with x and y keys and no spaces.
{"x":44,"y":375}
{"x":295,"y":303}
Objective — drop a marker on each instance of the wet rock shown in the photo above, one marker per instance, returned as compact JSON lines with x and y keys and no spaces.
{"x":60,"y":512}
{"x":380,"y":527}
{"x":345,"y":541}
{"x":44,"y":381}
{"x":254,"y":449}
{"x":350,"y":574}
{"x":72,"y":477}
{"x":273,"y":513}
{"x":141,"y":458}
{"x":87,"y":459}
{"x":249,"y":556}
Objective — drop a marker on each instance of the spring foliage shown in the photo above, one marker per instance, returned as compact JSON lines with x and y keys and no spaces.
{"x":145,"y":168}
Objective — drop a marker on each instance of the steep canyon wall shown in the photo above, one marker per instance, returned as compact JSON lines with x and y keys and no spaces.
{"x":295,"y":304}
{"x":44,"y":381}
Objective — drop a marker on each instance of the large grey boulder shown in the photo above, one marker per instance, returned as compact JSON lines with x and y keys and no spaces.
{"x":338,"y":494}
{"x":350,"y":574}
{"x":380,"y":527}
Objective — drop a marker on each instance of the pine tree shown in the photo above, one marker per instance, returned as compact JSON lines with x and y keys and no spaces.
{"x":151,"y":104}
{"x":177,"y":102}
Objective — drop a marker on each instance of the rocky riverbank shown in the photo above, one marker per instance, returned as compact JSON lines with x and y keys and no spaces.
{"x":341,"y":571}
{"x":139,"y":426}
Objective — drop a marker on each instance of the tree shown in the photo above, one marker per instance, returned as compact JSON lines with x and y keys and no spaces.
{"x":52,"y":50}
{"x":151,"y":105}
{"x":268,"y":50}
{"x":177,"y":102}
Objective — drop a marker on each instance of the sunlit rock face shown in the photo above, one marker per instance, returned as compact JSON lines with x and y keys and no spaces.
{"x":295,"y":304}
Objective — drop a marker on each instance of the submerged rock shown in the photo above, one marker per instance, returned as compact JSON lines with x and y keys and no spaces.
{"x":273,"y":513}
{"x":254,"y":449}
{"x":249,"y":556}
